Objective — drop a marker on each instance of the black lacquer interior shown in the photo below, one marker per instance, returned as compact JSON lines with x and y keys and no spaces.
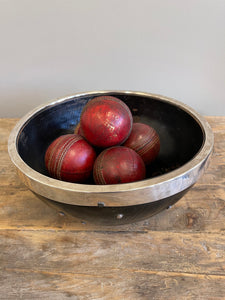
{"x":180,"y":134}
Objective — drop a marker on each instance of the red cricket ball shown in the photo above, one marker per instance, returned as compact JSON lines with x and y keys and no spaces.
{"x":145,"y":141}
{"x":70,"y":158}
{"x":118,"y":165}
{"x":106,"y":121}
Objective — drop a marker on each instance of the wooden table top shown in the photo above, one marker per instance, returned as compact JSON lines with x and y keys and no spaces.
{"x":177,"y":254}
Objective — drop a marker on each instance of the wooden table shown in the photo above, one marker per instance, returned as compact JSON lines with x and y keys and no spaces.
{"x":177,"y":254}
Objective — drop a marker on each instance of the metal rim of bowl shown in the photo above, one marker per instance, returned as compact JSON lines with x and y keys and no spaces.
{"x":140,"y":192}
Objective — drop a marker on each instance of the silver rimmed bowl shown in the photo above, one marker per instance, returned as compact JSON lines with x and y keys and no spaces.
{"x":186,"y":144}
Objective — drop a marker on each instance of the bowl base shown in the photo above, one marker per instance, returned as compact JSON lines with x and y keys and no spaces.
{"x":120,"y":215}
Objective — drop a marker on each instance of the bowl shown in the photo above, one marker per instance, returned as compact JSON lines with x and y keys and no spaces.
{"x":186,"y":145}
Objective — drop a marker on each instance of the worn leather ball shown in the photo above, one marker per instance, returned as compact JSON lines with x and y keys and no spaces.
{"x":70,"y":158}
{"x":145,"y":141}
{"x":106,"y":121}
{"x":118,"y":165}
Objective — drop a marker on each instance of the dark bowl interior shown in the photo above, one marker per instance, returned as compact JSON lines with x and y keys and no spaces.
{"x":180,"y":134}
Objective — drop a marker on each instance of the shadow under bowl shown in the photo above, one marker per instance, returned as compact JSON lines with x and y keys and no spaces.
{"x":186,"y":142}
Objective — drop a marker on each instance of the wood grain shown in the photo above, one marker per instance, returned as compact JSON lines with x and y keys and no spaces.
{"x":177,"y":254}
{"x":113,"y":265}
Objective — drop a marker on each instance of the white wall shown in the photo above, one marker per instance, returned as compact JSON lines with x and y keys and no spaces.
{"x":53,"y":48}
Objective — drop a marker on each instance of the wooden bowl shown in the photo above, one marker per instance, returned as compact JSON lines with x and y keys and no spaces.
{"x":186,"y":144}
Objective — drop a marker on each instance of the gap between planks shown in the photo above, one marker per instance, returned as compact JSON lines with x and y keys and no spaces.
{"x":110,"y":231}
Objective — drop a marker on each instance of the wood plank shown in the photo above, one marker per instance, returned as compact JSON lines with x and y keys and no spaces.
{"x":122,"y":265}
{"x":201,"y":209}
{"x":114,"y":285}
{"x":66,"y":251}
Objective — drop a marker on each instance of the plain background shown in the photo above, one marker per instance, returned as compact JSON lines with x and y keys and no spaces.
{"x":53,"y":48}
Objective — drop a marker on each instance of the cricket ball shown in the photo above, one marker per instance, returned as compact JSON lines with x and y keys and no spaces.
{"x":106,"y":121}
{"x":145,"y":141}
{"x":118,"y":165}
{"x":70,"y":158}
